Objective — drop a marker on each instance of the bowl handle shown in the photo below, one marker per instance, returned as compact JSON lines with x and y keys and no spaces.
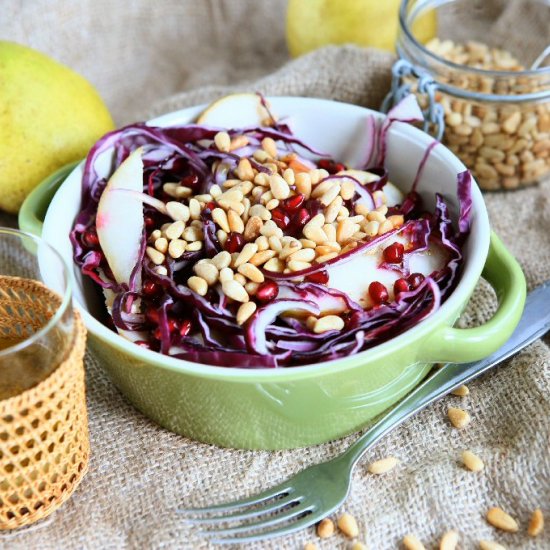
{"x":455,"y":345}
{"x":34,"y":208}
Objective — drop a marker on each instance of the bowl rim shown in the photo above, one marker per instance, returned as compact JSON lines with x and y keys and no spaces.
{"x":468,"y":278}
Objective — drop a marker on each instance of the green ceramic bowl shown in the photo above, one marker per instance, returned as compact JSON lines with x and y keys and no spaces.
{"x":284,"y":408}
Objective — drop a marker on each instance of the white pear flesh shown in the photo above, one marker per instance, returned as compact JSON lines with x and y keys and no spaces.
{"x":120,"y":219}
{"x":234,"y":111}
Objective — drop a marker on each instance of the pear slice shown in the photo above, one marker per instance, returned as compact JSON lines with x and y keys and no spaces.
{"x":234,"y":111}
{"x":120,"y":218}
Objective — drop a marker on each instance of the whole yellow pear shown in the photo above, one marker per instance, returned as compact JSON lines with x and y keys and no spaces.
{"x":49,"y":116}
{"x":311,"y":24}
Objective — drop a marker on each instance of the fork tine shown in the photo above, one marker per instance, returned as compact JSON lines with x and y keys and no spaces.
{"x":272,"y":507}
{"x":288,"y":515}
{"x":264,"y":535}
{"x":279,"y":490}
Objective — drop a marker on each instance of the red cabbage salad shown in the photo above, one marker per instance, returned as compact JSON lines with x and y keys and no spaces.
{"x":246,"y":247}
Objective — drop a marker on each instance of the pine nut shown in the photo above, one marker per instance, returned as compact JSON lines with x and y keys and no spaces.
{"x":303,"y":184}
{"x":220,"y":217}
{"x":383,"y":465}
{"x":194,"y":246}
{"x":270,"y":147}
{"x":376,"y":217}
{"x":323,"y":187}
{"x":261,"y":211}
{"x":294,"y":265}
{"x":333,"y":208}
{"x":215,"y":191}
{"x":326,"y":257}
{"x":161,"y":245}
{"x":262,"y":257}
{"x":490,"y":545}
{"x":194,"y":209}
{"x":327,"y":197}
{"x":344,"y":230}
{"x":329,"y":322}
{"x":458,"y":417}
{"x":347,"y":190}
{"x":348,"y":525}
{"x":204,"y":198}
{"x":253,"y":228}
{"x":511,"y":124}
{"x":289,"y":176}
{"x":498,"y":518}
{"x":237,"y":142}
{"x":176,"y":248}
{"x":410,"y":542}
{"x":385,"y":227}
{"x":251,"y":272}
{"x":226,"y":274}
{"x":306,"y":243}
{"x":174,"y":230}
{"x":207,"y":271}
{"x":315,"y":234}
{"x":245,"y":311}
{"x":397,"y":220}
{"x":325,"y":528}
{"x":303,"y":255}
{"x":279,"y":187}
{"x":269,"y":229}
{"x":536,"y":523}
{"x":198,"y":285}
{"x":222,"y":236}
{"x":234,"y":290}
{"x":472,"y":461}
{"x":275,"y":243}
{"x":271,"y":205}
{"x":222,"y":141}
{"x":372,"y":228}
{"x":221,"y":260}
{"x":244,"y":170}
{"x":235,"y":222}
{"x":155,"y":234}
{"x":178,"y":211}
{"x":274,"y":265}
{"x":289,"y":249}
{"x":262,"y":242}
{"x":461,"y":391}
{"x":193,"y":233}
{"x":449,"y":540}
{"x":249,"y":249}
{"x":154,"y":255}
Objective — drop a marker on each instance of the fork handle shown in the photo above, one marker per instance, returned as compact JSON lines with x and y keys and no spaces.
{"x":534,"y":322}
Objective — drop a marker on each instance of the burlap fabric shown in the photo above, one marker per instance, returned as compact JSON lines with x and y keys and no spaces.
{"x":138,"y":52}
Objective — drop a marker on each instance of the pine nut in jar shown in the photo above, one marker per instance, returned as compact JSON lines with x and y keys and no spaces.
{"x":495,"y":107}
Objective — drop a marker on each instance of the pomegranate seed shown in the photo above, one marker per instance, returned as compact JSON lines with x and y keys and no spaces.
{"x":302,"y":217}
{"x":401,"y":285}
{"x":293,"y":203}
{"x":325,"y":164}
{"x":190,"y":181}
{"x":321,"y":277}
{"x":90,"y":238}
{"x":234,"y":242}
{"x":150,"y":288}
{"x":378,"y":292}
{"x":156,"y":334}
{"x":394,"y":253}
{"x":415,"y":280}
{"x":143,"y":344}
{"x":149,"y":222}
{"x":267,"y":291}
{"x":280,"y":218}
{"x":339,"y":167}
{"x":185,"y":328}
{"x":211,"y":205}
{"x":152,"y":315}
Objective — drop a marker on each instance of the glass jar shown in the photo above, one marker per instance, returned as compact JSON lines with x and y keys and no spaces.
{"x":483,"y":104}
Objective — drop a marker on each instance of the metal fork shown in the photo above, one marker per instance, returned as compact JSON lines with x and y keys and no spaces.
{"x":319,"y":490}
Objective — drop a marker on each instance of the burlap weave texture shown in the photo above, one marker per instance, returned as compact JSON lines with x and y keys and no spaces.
{"x":139,"y":52}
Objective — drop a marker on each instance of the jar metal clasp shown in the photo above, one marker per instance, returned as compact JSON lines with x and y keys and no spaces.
{"x":434,"y":121}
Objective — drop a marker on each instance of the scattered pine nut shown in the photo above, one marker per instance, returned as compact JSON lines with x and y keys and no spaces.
{"x":178,"y":211}
{"x":221,"y":260}
{"x":461,"y":391}
{"x":348,"y":525}
{"x":536,"y":523}
{"x":226,"y":274}
{"x":249,"y":249}
{"x":325,"y":528}
{"x":234,"y":290}
{"x":449,"y":540}
{"x":458,"y":417}
{"x":490,"y":545}
{"x":245,"y":311}
{"x":198,"y":285}
{"x":472,"y":462}
{"x":329,"y":322}
{"x":176,"y":248}
{"x":410,"y":542}
{"x":207,"y":271}
{"x":251,"y":272}
{"x":154,"y":255}
{"x":174,"y":230}
{"x":383,"y":465}
{"x":161,"y":245}
{"x":253,"y":228}
{"x":222,"y":141}
{"x":498,"y":518}
{"x":279,"y":187}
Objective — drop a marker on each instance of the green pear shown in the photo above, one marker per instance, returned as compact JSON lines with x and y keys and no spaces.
{"x":49,"y":116}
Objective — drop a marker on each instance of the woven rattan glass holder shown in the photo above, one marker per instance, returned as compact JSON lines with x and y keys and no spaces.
{"x":44,"y":445}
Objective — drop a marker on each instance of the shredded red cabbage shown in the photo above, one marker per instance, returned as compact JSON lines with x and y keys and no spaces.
{"x":179,"y":322}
